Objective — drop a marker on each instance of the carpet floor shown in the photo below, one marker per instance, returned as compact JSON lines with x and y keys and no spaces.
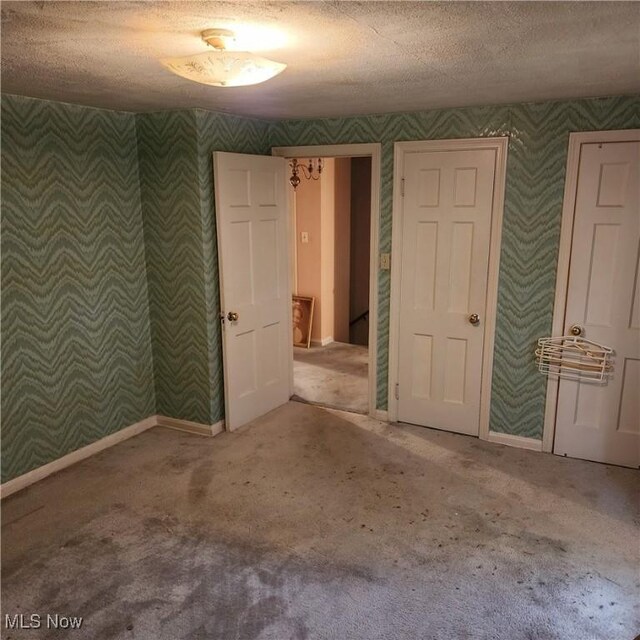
{"x":317,"y":524}
{"x":332,"y":376}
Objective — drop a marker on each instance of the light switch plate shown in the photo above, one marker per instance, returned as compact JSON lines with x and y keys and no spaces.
{"x":385,"y":261}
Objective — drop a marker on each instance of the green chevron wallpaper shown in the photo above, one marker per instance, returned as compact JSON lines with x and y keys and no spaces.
{"x":109,"y":265}
{"x":170,"y":192}
{"x":76,"y":353}
{"x":539,"y":135}
{"x":176,"y":182}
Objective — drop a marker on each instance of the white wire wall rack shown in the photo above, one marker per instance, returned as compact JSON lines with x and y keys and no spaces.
{"x":574,"y":358}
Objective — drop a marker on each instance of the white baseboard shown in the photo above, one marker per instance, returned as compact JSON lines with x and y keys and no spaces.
{"x":217,"y":427}
{"x":322,"y":343}
{"x":515,"y":441}
{"x":381,"y":415}
{"x":191,"y":427}
{"x":26,"y":479}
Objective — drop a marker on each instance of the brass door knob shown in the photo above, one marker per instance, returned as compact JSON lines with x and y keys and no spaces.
{"x":474,"y":319}
{"x":232,"y":316}
{"x":576,"y":330}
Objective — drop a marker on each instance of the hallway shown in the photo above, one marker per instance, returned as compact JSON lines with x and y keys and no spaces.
{"x":334,"y":376}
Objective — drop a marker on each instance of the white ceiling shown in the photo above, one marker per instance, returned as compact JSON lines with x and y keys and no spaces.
{"x":344,"y":58}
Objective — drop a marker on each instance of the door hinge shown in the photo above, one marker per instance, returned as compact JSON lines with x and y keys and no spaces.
{"x":397,"y":391}
{"x":402,"y":187}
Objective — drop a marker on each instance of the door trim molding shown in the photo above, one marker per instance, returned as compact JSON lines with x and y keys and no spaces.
{"x":189,"y":426}
{"x":576,"y":140}
{"x":510,"y":440}
{"x":500,"y":144}
{"x":374,"y":150}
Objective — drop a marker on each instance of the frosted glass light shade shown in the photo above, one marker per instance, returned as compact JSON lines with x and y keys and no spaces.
{"x":225,"y":68}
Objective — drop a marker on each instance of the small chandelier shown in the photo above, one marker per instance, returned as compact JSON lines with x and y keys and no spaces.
{"x":310,"y":171}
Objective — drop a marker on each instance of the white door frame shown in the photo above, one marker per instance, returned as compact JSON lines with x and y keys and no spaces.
{"x":374,"y":150}
{"x":576,"y":140}
{"x":500,"y":145}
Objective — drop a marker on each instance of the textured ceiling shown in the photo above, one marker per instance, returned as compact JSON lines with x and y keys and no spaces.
{"x":344,"y":58}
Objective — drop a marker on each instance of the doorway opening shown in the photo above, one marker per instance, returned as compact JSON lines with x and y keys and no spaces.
{"x":447,"y":222}
{"x":330,"y":235}
{"x":371,"y":151}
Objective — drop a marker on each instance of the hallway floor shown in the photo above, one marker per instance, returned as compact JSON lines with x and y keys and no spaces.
{"x":322,"y":525}
{"x":332,"y":376}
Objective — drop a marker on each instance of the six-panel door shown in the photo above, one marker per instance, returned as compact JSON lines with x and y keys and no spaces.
{"x":252,"y":218}
{"x":602,"y":421}
{"x":446,"y":228}
{"x":446,"y":239}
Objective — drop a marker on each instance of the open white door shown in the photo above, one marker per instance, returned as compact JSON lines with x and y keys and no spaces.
{"x":252,"y":218}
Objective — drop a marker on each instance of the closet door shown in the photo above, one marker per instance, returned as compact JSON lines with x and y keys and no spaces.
{"x":446,"y":220}
{"x":602,"y":421}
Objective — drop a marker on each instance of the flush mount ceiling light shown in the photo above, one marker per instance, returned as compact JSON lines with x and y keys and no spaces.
{"x":222,"y":67}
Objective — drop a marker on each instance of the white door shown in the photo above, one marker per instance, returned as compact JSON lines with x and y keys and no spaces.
{"x":252,"y":219}
{"x":446,"y":229}
{"x":602,"y":421}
